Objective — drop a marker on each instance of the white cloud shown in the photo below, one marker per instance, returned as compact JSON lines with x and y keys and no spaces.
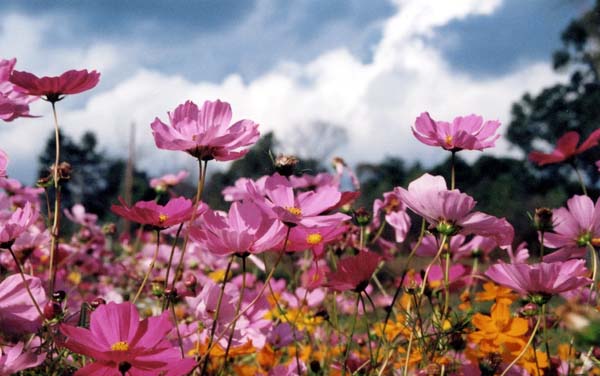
{"x":376,"y":102}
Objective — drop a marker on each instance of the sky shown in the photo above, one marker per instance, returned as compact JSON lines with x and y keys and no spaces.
{"x":367,"y":68}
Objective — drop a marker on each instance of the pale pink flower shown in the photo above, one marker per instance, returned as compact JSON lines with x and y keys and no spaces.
{"x":543,"y":278}
{"x":306,"y":208}
{"x":450,"y":211}
{"x":174,"y":212}
{"x":464,"y":133}
{"x":16,"y":358}
{"x":314,"y":238}
{"x":3,"y":163}
{"x":18,"y":314}
{"x":14,"y":102}
{"x":245,"y":229}
{"x":120,"y":343}
{"x":205,"y":133}
{"x":239,"y":190}
{"x":16,"y":224}
{"x":163,"y":183}
{"x":574,"y":227}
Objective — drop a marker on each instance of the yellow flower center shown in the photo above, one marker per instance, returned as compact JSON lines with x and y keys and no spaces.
{"x":449,"y":140}
{"x":120,"y":346}
{"x":313,"y":239}
{"x":294,"y":210}
{"x":162,"y":218}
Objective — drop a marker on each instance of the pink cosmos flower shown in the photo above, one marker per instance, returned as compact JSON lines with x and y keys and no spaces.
{"x":468,"y":132}
{"x":16,"y":358}
{"x":3,"y":163}
{"x":574,"y":227}
{"x":165,"y":182}
{"x":17,"y":312}
{"x":54,"y":88}
{"x":239,"y":191}
{"x":14,"y":102}
{"x":245,"y":229}
{"x":314,"y":238}
{"x":450,"y":211}
{"x":354,"y":272}
{"x":121,"y":344}
{"x":150,"y":213}
{"x":543,"y":278}
{"x":17,"y":223}
{"x":205,"y":133}
{"x":306,"y":208}
{"x":566,"y":148}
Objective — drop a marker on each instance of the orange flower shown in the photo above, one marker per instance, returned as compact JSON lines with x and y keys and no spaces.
{"x":502,"y":295}
{"x":529,"y":359}
{"x":499,"y":332}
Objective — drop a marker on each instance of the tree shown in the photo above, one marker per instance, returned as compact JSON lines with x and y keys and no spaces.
{"x":574,"y":105}
{"x":96,"y":180}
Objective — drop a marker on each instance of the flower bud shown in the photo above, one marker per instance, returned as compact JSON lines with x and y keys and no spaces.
{"x":52,"y":310}
{"x":190,"y":282}
{"x":97,"y":302}
{"x":59,"y":296}
{"x":361,"y":217}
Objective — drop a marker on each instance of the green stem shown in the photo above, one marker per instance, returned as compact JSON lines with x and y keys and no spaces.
{"x":169,"y":264}
{"x":446,"y":286}
{"x":352,"y":327}
{"x":216,"y":316}
{"x":237,"y":310}
{"x":55,"y":223}
{"x":26,"y":283}
{"x":594,"y":269}
{"x":452,"y":170}
{"x":368,"y":326}
{"x":580,"y":178}
{"x":199,"y":190}
{"x":154,"y":257}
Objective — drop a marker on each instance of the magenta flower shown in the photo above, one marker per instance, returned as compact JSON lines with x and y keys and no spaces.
{"x":450,"y":211}
{"x":566,"y":148}
{"x":354,"y":272}
{"x":16,"y":358}
{"x":17,"y":312}
{"x":306,"y":208}
{"x":16,"y":224}
{"x":121,"y":344}
{"x":165,"y":182}
{"x":14,"y":102}
{"x":150,"y":213}
{"x":468,"y":132}
{"x":543,"y":278}
{"x":245,"y":229}
{"x":205,"y":133}
{"x":574,"y":227}
{"x":3,"y":163}
{"x":314,"y":238}
{"x":54,"y":88}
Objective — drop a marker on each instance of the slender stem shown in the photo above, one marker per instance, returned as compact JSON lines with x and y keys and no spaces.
{"x":169,"y":264}
{"x":545,"y":331}
{"x":216,"y":315}
{"x":258,"y":296}
{"x":26,"y":283}
{"x":435,"y":258}
{"x":446,"y":286}
{"x":199,"y":190}
{"x":410,"y":339}
{"x":452,"y":170}
{"x":179,"y":339}
{"x":237,"y":309}
{"x":580,"y":178}
{"x":368,"y":326}
{"x":154,"y":257}
{"x":352,"y":327}
{"x":594,"y":270}
{"x":56,"y":221}
{"x":542,"y":247}
{"x":529,"y":342}
{"x":399,"y":288}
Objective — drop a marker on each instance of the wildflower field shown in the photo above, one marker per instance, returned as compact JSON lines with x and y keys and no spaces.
{"x":295,"y":278}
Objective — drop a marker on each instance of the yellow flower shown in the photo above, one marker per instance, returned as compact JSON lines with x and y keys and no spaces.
{"x":499,"y":332}
{"x":502,"y":295}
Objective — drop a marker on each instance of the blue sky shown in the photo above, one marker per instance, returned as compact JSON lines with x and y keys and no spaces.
{"x":369,"y":67}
